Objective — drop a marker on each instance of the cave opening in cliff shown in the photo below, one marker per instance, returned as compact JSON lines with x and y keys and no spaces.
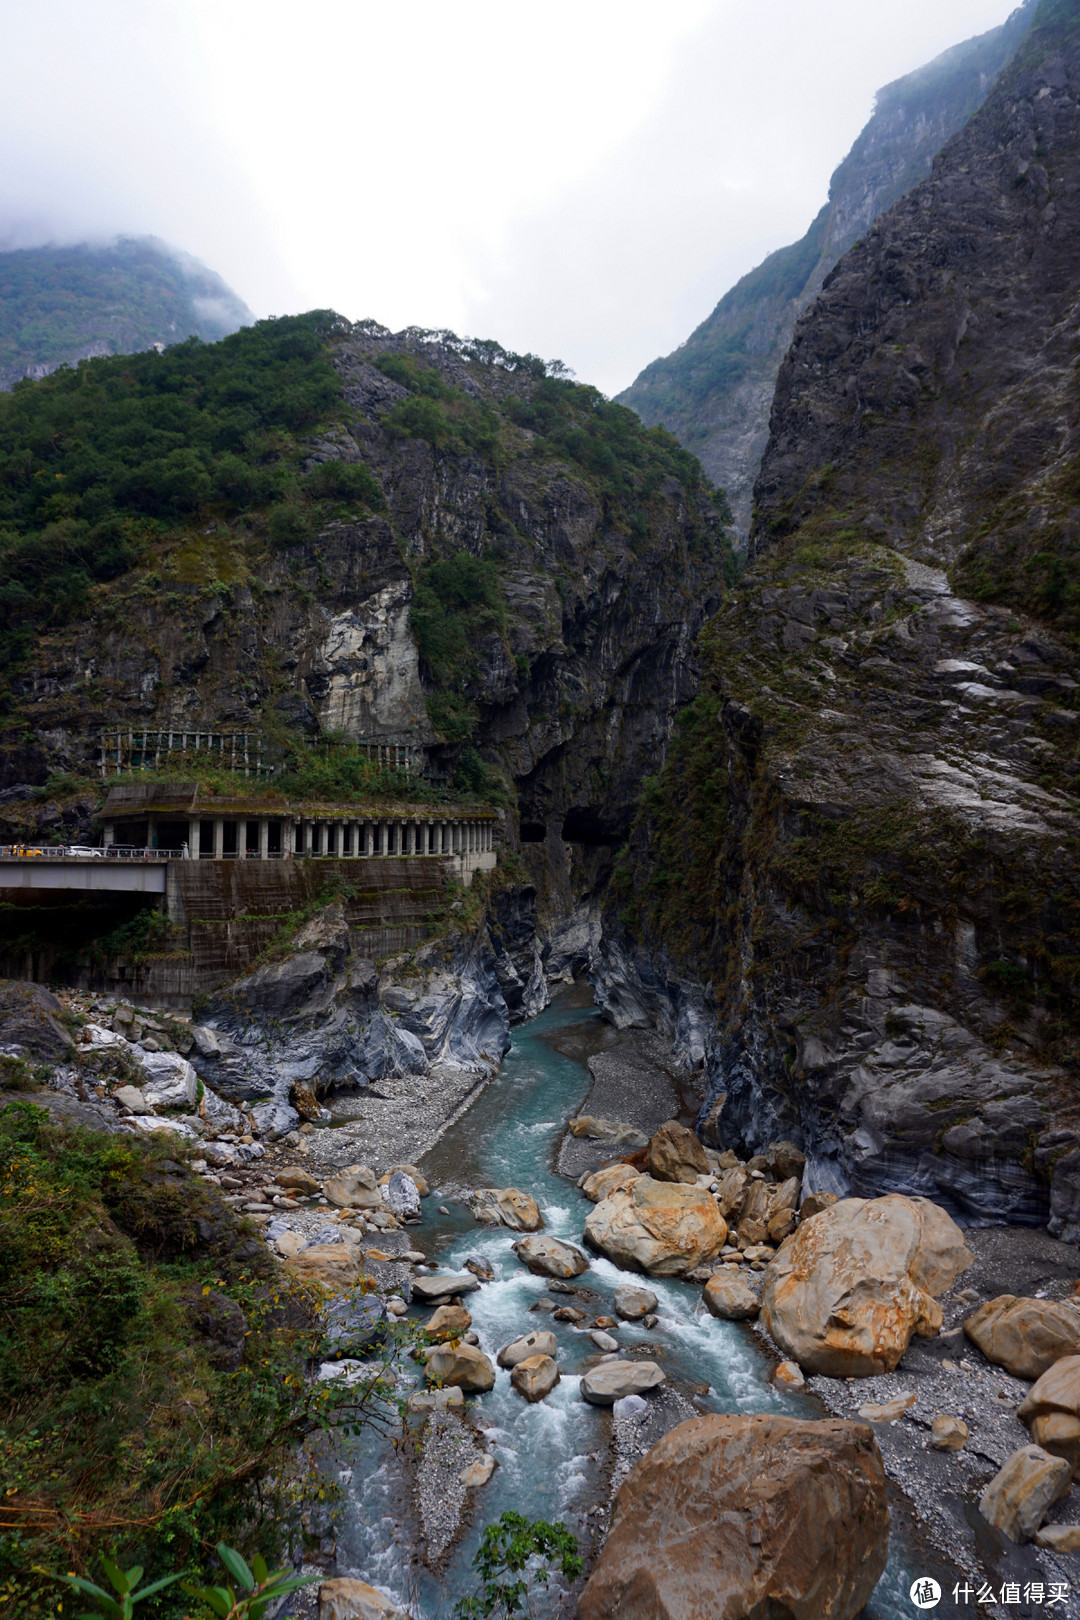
{"x":583,"y":825}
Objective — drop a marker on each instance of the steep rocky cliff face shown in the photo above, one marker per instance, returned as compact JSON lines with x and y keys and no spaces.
{"x":715,"y":391}
{"x":462,"y":551}
{"x":855,"y":888}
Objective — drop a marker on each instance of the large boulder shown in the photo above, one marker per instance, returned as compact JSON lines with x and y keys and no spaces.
{"x":540,"y":1343}
{"x":611,"y":1380}
{"x":746,"y":1516}
{"x":338,"y":1265}
{"x":633,"y":1303}
{"x":1025,"y":1336}
{"x":764,"y":1205}
{"x":659,"y":1227}
{"x":505,"y":1206}
{"x":549,"y":1257}
{"x":448,"y":1322}
{"x":347,"y":1599}
{"x":730,"y":1297}
{"x":675,"y":1154}
{"x":353,"y":1324}
{"x":413,"y":1174}
{"x":785,"y":1160}
{"x":612,"y":1178}
{"x":30,"y":1023}
{"x":535,"y":1377}
{"x":402,"y":1197}
{"x":297,"y":1181}
{"x":1023,"y":1491}
{"x":731,"y":1189}
{"x":444,"y":1285}
{"x":462,"y":1366}
{"x":1051,"y":1410}
{"x":170,"y":1082}
{"x":848,"y":1289}
{"x":353,"y":1189}
{"x":607,"y":1130}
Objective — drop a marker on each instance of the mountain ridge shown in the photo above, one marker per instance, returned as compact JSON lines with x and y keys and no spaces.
{"x":60,"y":305}
{"x":715,"y":391}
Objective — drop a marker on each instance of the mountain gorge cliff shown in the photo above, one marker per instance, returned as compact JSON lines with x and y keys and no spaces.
{"x":854,"y":889}
{"x":329,"y":533}
{"x":715,"y":391}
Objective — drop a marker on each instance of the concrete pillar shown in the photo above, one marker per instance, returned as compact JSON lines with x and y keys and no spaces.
{"x":369,"y":838}
{"x":264,"y":839}
{"x":410,"y":838}
{"x":219,"y":838}
{"x":288,"y":834}
{"x":193,"y":838}
{"x":108,"y":836}
{"x":151,"y":831}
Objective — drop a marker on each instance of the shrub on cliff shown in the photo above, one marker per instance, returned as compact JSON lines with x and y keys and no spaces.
{"x":152,"y":1363}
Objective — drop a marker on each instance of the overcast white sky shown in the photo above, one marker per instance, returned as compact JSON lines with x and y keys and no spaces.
{"x":580,"y":178}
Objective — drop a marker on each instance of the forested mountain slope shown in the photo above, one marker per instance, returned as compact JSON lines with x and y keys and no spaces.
{"x":59,"y":305}
{"x":329,"y":533}
{"x":714,"y":392}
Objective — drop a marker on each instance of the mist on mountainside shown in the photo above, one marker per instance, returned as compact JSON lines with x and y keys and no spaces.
{"x":62,"y":304}
{"x":715,"y":390}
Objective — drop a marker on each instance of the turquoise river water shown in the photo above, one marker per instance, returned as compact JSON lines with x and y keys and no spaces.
{"x":551,"y":1455}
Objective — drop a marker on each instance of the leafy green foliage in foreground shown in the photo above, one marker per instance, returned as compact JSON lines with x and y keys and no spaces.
{"x":95,"y":462}
{"x":515,"y":1555}
{"x":154,"y":1365}
{"x":259,"y":1588}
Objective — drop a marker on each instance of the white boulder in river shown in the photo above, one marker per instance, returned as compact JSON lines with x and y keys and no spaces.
{"x":505,"y":1206}
{"x":633,"y":1303}
{"x":549,"y":1257}
{"x":403,"y":1197}
{"x":848,"y":1289}
{"x":443,"y":1285}
{"x":540,"y":1343}
{"x":611,"y":1380}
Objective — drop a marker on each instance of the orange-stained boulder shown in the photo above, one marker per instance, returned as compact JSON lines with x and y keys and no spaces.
{"x":1025,"y":1336}
{"x":675,"y":1154}
{"x":848,"y":1289}
{"x":660,"y":1227}
{"x":746,"y":1516}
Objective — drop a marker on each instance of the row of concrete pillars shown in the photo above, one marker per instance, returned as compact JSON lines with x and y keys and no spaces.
{"x":269,"y":838}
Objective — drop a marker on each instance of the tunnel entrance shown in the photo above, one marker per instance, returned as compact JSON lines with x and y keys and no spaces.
{"x":55,"y":937}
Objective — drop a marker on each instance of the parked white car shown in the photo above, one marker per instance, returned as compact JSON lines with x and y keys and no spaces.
{"x":84,"y":849}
